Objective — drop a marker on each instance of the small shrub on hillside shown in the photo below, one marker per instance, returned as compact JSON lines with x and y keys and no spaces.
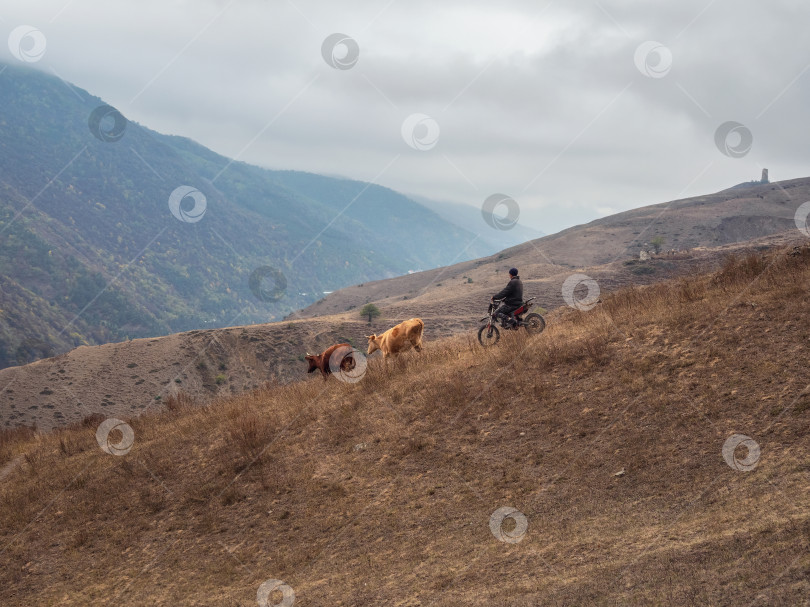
{"x":14,"y":435}
{"x":179,"y":402}
{"x":736,"y":270}
{"x":71,"y":443}
{"x":691,"y":290}
{"x":153,"y":500}
{"x":9,"y":437}
{"x":92,"y":420}
{"x":642,"y":270}
{"x":250,"y":432}
{"x":597,"y":350}
{"x":415,"y":444}
{"x":220,"y":379}
{"x":232,"y":495}
{"x":38,"y":460}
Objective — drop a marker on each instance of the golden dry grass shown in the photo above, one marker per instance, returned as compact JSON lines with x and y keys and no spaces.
{"x":380,"y":492}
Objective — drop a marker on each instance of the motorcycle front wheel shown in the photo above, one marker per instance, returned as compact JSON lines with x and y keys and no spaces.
{"x":488,"y":335}
{"x":535,"y":324}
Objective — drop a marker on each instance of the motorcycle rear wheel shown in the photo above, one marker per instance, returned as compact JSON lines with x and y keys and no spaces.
{"x":488,"y":335}
{"x":535,"y":324}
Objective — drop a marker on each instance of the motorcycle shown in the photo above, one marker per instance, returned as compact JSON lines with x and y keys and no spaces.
{"x":489,"y":334}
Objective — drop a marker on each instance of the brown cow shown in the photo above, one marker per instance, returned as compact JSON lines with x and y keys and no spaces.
{"x":322,"y":361}
{"x":406,"y":335}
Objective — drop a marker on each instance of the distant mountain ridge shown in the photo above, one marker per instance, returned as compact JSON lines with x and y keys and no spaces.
{"x":90,"y":251}
{"x":471,"y":218}
{"x":734,"y":215}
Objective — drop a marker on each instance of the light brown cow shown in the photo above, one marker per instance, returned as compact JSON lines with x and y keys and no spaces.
{"x":406,"y":335}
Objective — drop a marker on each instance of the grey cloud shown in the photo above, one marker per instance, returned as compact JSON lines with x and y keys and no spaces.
{"x":511,"y":104}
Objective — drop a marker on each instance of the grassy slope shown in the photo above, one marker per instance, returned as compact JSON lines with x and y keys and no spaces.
{"x":125,"y":378}
{"x":380,"y":492}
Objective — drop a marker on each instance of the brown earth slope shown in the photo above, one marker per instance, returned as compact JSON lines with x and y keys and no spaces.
{"x":607,"y":433}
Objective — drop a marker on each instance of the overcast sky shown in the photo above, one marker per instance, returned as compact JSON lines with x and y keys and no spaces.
{"x":568,"y":107}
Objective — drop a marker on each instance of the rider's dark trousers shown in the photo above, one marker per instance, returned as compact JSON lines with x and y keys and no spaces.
{"x":507,"y":310}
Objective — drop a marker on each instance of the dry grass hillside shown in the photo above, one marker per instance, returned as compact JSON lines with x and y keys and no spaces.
{"x":128,"y":378}
{"x":606,"y":433}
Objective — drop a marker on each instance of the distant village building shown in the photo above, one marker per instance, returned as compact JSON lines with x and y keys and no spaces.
{"x":754,"y":182}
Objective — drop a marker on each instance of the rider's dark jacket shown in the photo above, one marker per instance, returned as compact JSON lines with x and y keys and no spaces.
{"x":512,"y":293}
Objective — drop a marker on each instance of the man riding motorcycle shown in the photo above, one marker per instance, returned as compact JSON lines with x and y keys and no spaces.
{"x":511,"y":296}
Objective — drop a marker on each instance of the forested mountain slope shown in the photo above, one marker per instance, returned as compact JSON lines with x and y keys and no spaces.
{"x":91,"y":252}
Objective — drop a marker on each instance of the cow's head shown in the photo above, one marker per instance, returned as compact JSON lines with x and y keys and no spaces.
{"x":313,"y":362}
{"x":373,"y":346}
{"x":347,"y":364}
{"x":341,"y":357}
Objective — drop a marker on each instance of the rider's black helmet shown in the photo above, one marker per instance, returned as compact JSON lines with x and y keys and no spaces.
{"x":513,"y":272}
